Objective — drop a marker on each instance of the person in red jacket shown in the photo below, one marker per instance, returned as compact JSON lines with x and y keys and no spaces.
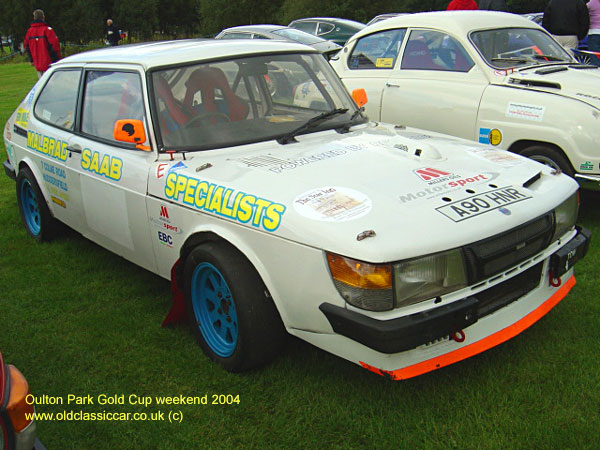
{"x":41,"y":43}
{"x":462,"y":4}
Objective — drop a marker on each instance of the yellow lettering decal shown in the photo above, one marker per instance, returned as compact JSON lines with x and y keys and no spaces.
{"x":273,"y":216}
{"x":45,"y":144}
{"x":180,"y":185}
{"x":30,"y":139}
{"x":104,"y":166}
{"x":63,"y":151}
{"x":201,"y":194}
{"x":224,"y":209}
{"x":94,"y":163}
{"x":236,"y":204}
{"x":85,"y":158}
{"x":170,"y":184}
{"x":215,"y":204}
{"x":115,"y":169}
{"x":245,"y":211}
{"x":260,"y":204}
{"x":188,"y":197}
{"x":51,"y":144}
{"x":211,"y":188}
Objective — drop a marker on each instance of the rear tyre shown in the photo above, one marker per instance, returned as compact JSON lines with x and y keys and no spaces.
{"x":230,"y":310}
{"x":550,"y":157}
{"x":36,"y":216}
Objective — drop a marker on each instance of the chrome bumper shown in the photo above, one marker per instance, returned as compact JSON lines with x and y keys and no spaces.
{"x":591,"y":182}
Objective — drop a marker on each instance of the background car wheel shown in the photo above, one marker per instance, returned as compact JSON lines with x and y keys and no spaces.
{"x":35,"y":214}
{"x":550,"y":157}
{"x":230,"y":310}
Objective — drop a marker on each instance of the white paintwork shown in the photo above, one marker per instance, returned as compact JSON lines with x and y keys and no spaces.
{"x":133,"y":216}
{"x":461,"y":104}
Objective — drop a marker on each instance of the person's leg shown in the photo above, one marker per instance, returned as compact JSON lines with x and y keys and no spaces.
{"x":594,"y":46}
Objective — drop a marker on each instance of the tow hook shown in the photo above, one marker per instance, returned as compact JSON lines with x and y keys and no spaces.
{"x":555,"y":282}
{"x":458,"y":336}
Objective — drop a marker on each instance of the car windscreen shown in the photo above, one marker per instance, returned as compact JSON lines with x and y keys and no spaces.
{"x":515,"y":47}
{"x":246,"y":100}
{"x":298,"y":36}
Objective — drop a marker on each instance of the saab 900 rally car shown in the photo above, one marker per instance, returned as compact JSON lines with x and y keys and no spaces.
{"x":489,"y":76}
{"x":399,"y":250}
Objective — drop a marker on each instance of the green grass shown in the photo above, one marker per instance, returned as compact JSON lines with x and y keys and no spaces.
{"x":77,"y":319}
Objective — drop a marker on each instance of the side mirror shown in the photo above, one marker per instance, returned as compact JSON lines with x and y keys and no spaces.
{"x":360,"y":97}
{"x":132,"y":131}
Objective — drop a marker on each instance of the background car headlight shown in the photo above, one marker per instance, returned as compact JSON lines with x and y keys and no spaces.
{"x":364,"y":285}
{"x":565,"y":216}
{"x":430,"y":276}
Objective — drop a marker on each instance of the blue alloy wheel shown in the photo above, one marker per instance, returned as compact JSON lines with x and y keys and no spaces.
{"x":31,"y":211}
{"x":214,"y":309}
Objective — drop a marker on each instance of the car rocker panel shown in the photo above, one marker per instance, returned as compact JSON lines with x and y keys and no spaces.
{"x":398,"y":249}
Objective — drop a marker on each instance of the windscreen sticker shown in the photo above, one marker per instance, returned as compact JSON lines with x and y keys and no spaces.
{"x":332,"y":204}
{"x":384,"y":63}
{"x":54,"y":148}
{"x":22,"y":118}
{"x":525,"y":111}
{"x":490,"y":136}
{"x":224,"y":201}
{"x":482,"y":203}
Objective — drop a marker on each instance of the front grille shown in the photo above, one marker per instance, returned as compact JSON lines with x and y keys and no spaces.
{"x":508,"y":291}
{"x":493,"y":255}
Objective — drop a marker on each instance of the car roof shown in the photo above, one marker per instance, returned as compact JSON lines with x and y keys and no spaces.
{"x":331,"y":19}
{"x":264,"y":27}
{"x":166,"y":53}
{"x":458,"y":22}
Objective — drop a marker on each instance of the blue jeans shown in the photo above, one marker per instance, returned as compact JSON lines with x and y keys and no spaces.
{"x":594,"y":46}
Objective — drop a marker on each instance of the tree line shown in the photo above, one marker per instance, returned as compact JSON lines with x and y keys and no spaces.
{"x":84,"y":21}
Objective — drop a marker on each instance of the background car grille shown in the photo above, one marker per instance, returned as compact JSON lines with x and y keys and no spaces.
{"x":493,"y":255}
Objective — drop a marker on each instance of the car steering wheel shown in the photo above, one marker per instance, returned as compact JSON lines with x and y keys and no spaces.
{"x":207,"y":115}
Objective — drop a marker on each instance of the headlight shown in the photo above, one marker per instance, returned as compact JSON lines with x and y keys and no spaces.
{"x":565,"y":216}
{"x":364,"y":285}
{"x":430,"y":276}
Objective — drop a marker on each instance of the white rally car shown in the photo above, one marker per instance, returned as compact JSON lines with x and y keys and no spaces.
{"x":493,"y":77}
{"x":399,"y":250}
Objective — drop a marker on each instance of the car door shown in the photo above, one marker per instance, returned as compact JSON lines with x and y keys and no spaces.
{"x":370,"y":65}
{"x":112,"y":174}
{"x":50,"y":127}
{"x":436,"y":86}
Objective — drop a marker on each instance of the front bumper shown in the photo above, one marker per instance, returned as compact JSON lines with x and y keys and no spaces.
{"x":518,"y":296}
{"x":590,"y":182}
{"x":9,"y":170}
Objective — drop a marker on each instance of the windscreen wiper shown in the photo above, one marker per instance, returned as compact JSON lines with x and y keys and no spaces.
{"x":309,"y":124}
{"x":346,"y":127}
{"x":521,"y":60}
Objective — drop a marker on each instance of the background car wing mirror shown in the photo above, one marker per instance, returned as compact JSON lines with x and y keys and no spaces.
{"x":131,"y":130}
{"x":360,"y":97}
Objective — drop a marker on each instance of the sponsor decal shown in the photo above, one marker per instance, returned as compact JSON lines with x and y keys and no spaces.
{"x":504,"y":72}
{"x":10,"y":152}
{"x":502,"y":157}
{"x":440,"y":189}
{"x":384,"y":63}
{"x":402,"y":147}
{"x":55,"y":176}
{"x":29,"y":98}
{"x":332,"y":204}
{"x":58,"y":201}
{"x":414,"y":136}
{"x":165,"y":239}
{"x":164,"y":212}
{"x":490,"y":136}
{"x":161,"y":170}
{"x":525,"y":111}
{"x":505,"y":211}
{"x":22,"y":118}
{"x":107,"y":166}
{"x":594,"y":97}
{"x":164,"y":221}
{"x":224,"y":201}
{"x":180,"y":165}
{"x":434,"y":176}
{"x":54,"y":148}
{"x":481,"y":203}
{"x":586,"y":166}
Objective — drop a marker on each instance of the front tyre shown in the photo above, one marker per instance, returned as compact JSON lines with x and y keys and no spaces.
{"x":36,"y":216}
{"x":550,"y":157}
{"x":231,"y":313}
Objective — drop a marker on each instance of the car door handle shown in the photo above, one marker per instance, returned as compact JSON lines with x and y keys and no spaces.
{"x":74,"y":149}
{"x":392,"y":85}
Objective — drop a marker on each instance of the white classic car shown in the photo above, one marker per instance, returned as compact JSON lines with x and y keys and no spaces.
{"x":399,"y":250}
{"x":493,"y":77}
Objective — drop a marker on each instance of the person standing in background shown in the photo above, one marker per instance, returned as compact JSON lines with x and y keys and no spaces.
{"x":455,"y":5}
{"x":113,"y":35}
{"x":568,"y":21}
{"x":493,"y":5}
{"x":594,"y":34}
{"x":41,"y":43}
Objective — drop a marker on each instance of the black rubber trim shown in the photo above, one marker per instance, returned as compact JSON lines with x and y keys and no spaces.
{"x":20,"y":131}
{"x":9,"y":170}
{"x":573,"y":251}
{"x":404,"y":333}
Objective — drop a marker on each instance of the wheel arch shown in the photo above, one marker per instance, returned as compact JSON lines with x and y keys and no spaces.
{"x":522,"y":144}
{"x":28,"y":163}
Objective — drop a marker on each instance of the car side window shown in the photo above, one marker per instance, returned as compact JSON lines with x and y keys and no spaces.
{"x":309,"y":27}
{"x":377,"y":50}
{"x":237,"y":36}
{"x":259,"y":36}
{"x":434,"y":50}
{"x":110,"y":96}
{"x":57,"y":101}
{"x":324,"y":28}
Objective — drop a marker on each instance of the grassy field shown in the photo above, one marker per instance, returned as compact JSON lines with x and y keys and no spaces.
{"x":79,"y":320}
